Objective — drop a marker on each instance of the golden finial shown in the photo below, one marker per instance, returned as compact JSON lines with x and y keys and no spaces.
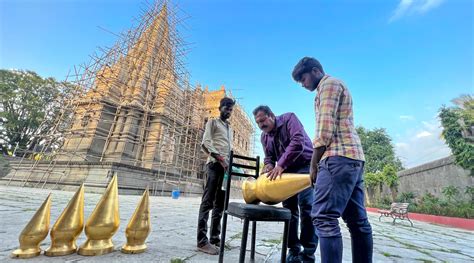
{"x":68,"y":227}
{"x":102,"y":223}
{"x":138,"y":228}
{"x":34,"y":232}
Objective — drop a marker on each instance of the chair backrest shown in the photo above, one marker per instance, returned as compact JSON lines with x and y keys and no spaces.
{"x":236,"y":161}
{"x":401,"y":208}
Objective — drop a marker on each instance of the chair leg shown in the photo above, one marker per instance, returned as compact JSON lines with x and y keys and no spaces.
{"x":243,"y":244}
{"x":252,"y":250}
{"x":284,"y":245}
{"x":222,"y":245}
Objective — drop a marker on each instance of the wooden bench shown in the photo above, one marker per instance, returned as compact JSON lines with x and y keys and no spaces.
{"x":397,"y":211}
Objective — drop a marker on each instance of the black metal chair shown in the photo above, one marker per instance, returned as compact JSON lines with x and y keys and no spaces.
{"x":251,"y":212}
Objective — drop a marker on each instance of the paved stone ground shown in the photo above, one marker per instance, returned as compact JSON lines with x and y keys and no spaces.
{"x":174,"y":232}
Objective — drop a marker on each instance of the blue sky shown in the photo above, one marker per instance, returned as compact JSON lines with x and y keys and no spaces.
{"x":402,"y":60}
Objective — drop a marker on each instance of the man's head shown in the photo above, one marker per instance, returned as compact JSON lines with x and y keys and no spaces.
{"x":264,"y":118}
{"x":308,"y":72}
{"x":225,"y":107}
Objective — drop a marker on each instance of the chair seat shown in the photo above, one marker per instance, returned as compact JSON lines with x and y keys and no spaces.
{"x":258,"y":212}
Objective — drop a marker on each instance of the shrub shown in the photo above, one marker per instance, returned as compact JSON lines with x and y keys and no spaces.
{"x":406,"y":197}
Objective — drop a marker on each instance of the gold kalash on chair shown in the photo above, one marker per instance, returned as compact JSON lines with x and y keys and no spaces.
{"x":254,"y":190}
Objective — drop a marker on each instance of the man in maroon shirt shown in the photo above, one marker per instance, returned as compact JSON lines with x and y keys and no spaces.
{"x":288,"y":149}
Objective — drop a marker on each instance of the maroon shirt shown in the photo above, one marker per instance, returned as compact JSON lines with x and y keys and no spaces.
{"x":288,"y":144}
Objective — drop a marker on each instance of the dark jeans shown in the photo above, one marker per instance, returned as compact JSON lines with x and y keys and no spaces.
{"x":339,"y":191}
{"x":212,"y":198}
{"x":300,"y":206}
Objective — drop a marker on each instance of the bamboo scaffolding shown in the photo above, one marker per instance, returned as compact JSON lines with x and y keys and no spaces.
{"x":133,"y":100}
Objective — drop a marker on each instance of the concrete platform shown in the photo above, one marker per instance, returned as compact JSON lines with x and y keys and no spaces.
{"x":173,"y":236}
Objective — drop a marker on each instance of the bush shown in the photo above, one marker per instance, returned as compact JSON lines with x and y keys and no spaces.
{"x":450,"y":192}
{"x":386,"y":201}
{"x":406,"y":197}
{"x":429,"y":204}
{"x":470,"y":193}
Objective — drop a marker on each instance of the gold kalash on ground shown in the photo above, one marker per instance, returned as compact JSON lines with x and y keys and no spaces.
{"x":100,"y":227}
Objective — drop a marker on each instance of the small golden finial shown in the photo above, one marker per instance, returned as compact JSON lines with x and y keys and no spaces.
{"x":68,"y":227}
{"x":34,"y":232}
{"x":102,"y":223}
{"x":138,"y":228}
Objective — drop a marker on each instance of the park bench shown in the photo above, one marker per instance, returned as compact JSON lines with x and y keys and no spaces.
{"x":397,"y":211}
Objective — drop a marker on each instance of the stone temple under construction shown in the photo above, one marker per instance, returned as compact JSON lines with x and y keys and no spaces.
{"x":132,"y":114}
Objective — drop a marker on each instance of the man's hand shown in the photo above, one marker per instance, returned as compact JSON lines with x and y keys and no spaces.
{"x":222,"y":162}
{"x":313,"y":172}
{"x":313,"y":168}
{"x":267,"y":168}
{"x":273,"y":174}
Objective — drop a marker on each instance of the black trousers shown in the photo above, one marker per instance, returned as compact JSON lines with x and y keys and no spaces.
{"x":212,"y":199}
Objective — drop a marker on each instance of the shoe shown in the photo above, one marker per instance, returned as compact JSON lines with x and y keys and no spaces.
{"x":216,"y":243}
{"x":208,"y":248}
{"x":306,"y":258}
{"x":293,"y":258}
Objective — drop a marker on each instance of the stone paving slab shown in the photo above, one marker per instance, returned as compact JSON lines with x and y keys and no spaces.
{"x":173,"y":236}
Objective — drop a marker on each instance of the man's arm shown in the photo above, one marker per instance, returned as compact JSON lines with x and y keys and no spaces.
{"x":206,"y":143}
{"x":317,"y":154}
{"x":268,"y":161}
{"x":296,"y":146}
{"x":207,"y":146}
{"x":326,"y":115}
{"x":294,"y":149}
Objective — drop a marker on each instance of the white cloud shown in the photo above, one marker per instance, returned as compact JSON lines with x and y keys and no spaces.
{"x":410,"y":7}
{"x":431,"y":125}
{"x":423,"y":134}
{"x":407,"y":117}
{"x":402,"y":8}
{"x":422,"y":144}
{"x":428,"y":5}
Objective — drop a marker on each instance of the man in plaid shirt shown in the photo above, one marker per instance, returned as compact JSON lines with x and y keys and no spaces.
{"x":336,"y":167}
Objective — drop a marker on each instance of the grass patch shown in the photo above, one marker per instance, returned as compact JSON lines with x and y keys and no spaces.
{"x":424,"y":260}
{"x":238,"y":235}
{"x":272,"y":241}
{"x":176,"y":260}
{"x":386,"y":254}
{"x":227,"y":246}
{"x":411,"y":246}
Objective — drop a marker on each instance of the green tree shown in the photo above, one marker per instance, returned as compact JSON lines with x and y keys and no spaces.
{"x":391,"y":179}
{"x":29,"y":108}
{"x":458,"y":130}
{"x":373,"y":183}
{"x":378,"y":150}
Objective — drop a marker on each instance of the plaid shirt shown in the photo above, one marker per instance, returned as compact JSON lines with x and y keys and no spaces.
{"x":334,"y":121}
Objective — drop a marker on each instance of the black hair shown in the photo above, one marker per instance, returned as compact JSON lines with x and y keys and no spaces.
{"x":305,"y":65}
{"x":226,"y":101}
{"x":263,"y":108}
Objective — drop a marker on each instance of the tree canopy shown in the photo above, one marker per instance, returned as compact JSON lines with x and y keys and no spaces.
{"x":378,"y":150}
{"x":29,"y":108}
{"x":458,"y":130}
